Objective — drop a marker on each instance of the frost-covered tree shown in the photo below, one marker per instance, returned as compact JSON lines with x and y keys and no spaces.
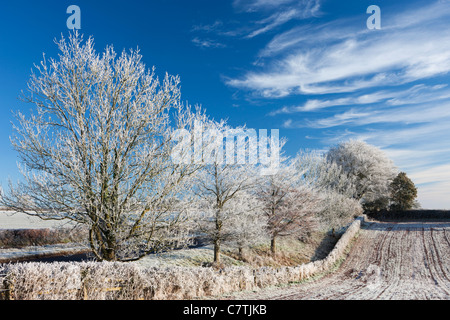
{"x":372,"y":170}
{"x":336,"y":188}
{"x":319,"y":173}
{"x":338,"y":210}
{"x":248,"y":223}
{"x":290,"y":208}
{"x":97,"y":150}
{"x":223,"y":184}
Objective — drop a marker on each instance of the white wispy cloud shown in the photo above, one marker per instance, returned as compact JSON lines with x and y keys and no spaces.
{"x":270,"y":14}
{"x":354,"y":60}
{"x":318,"y":104}
{"x":207,"y":43}
{"x":274,"y":21}
{"x":310,"y":35}
{"x":354,"y":65}
{"x":309,"y":6}
{"x":369,"y":116}
{"x":416,"y":94}
{"x":216,"y":25}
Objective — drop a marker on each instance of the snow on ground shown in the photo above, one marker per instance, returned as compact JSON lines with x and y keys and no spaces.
{"x":35,"y":252}
{"x":11,"y":220}
{"x":193,"y":257}
{"x":388,"y":261}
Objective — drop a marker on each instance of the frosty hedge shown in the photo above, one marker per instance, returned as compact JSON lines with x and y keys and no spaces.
{"x":115,"y":280}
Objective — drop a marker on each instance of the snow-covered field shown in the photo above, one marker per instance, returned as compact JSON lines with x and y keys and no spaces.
{"x":37,"y":252}
{"x":388,"y":261}
{"x":10,"y":220}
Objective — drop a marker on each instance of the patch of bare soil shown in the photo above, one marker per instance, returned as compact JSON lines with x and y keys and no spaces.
{"x":388,"y":261}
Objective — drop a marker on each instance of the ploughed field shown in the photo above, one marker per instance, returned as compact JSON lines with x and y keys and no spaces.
{"x":396,"y":260}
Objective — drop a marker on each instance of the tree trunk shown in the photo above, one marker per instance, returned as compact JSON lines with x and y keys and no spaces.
{"x":110,"y":255}
{"x":103,"y":246}
{"x":218,"y":233}
{"x":273,"y":245}
{"x":217,"y":251}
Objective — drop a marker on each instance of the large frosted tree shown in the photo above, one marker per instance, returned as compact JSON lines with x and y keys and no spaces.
{"x":370,"y":168}
{"x":97,"y":150}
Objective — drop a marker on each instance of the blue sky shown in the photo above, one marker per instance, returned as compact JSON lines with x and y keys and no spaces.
{"x":310,"y":68}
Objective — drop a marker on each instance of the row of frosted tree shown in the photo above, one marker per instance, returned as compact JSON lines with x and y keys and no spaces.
{"x":98,"y":148}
